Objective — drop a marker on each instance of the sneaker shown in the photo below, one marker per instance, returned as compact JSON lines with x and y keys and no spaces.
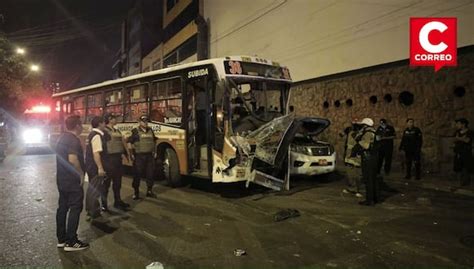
{"x":78,"y":245}
{"x":61,"y":244}
{"x":359,"y":195}
{"x":104,"y":208}
{"x":150,"y":194}
{"x":345,"y":191}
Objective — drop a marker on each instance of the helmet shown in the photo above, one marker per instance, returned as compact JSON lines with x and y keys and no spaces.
{"x":367,"y":121}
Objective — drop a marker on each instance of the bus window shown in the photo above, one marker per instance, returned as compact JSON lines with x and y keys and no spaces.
{"x":114,"y":104}
{"x":79,"y":107}
{"x":94,"y":106}
{"x":167,"y":102}
{"x":137,"y":104}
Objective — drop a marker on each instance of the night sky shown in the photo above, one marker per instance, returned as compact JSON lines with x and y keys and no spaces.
{"x":74,"y":41}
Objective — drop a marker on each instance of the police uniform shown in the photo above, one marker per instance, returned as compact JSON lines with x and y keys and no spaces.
{"x":385,"y":146}
{"x":463,"y":156}
{"x":95,"y":182}
{"x":113,"y":167}
{"x":144,"y":142}
{"x":411,"y":143}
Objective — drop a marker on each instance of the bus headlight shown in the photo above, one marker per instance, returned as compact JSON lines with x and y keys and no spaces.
{"x":32,"y":136}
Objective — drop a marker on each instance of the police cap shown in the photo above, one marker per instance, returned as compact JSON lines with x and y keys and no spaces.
{"x":144,"y":118}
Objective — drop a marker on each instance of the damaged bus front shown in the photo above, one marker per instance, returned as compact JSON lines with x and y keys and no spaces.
{"x":257,"y":131}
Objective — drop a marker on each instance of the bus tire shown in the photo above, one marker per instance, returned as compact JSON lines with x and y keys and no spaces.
{"x":171,"y":168}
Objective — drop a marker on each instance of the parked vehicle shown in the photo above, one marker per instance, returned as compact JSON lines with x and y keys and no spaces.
{"x":310,"y":156}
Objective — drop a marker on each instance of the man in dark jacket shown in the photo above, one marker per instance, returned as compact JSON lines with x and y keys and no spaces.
{"x":70,"y":175}
{"x":412,"y":141}
{"x":384,"y":138}
{"x":463,"y":151}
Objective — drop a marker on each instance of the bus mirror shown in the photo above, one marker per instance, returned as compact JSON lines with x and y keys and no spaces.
{"x":245,"y":88}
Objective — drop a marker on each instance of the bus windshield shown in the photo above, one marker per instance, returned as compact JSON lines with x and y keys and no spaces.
{"x":254,"y":103}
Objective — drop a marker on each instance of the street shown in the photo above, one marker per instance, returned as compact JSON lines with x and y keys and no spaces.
{"x":201,"y":225}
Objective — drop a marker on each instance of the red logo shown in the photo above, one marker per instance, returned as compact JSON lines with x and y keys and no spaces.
{"x":433,"y":42}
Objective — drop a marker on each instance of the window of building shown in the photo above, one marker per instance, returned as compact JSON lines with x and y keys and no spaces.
{"x":156,"y":65}
{"x":166,"y":103}
{"x":171,"y":59}
{"x":94,"y":106}
{"x":170,"y":4}
{"x":79,"y":107}
{"x":114,"y":103}
{"x":137,"y":103}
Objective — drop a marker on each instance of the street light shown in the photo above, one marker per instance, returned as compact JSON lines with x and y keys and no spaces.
{"x":34,"y":68}
{"x":20,"y":51}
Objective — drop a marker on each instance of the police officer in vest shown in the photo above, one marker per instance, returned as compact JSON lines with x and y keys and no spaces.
{"x":96,"y":154}
{"x":366,"y":148}
{"x":116,"y":146}
{"x":411,"y":143}
{"x":142,"y":143}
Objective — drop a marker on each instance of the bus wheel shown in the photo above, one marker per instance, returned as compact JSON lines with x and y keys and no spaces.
{"x":171,"y":168}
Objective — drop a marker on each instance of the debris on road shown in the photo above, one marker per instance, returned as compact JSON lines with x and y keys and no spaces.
{"x":359,"y":232}
{"x":296,"y":255}
{"x":2,"y":178}
{"x":39,"y":199}
{"x":327,"y":231}
{"x":207,"y":224}
{"x":155,"y":265}
{"x":286,"y":214}
{"x":239,"y":252}
{"x":435,"y":223}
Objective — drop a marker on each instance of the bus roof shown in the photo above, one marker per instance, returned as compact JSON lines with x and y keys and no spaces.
{"x":178,"y":67}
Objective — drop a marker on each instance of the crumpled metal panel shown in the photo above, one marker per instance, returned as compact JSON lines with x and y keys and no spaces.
{"x":268,"y":138}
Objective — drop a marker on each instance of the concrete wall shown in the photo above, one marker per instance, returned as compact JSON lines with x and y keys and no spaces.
{"x":320,"y":37}
{"x":434,"y":109}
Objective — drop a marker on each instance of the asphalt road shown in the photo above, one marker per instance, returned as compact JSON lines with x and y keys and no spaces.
{"x":201,"y":224}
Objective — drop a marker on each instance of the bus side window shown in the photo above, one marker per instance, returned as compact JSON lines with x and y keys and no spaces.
{"x":136,"y":102}
{"x":78,"y":107}
{"x":94,"y":106}
{"x":167,"y":104}
{"x":114,"y":103}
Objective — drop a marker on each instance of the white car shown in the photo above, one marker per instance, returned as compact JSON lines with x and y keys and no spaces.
{"x":311,"y":157}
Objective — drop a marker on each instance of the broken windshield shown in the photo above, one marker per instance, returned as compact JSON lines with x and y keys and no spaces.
{"x":254,"y":103}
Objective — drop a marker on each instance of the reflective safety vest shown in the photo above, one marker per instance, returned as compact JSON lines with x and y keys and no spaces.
{"x":146,"y":142}
{"x":351,"y":142}
{"x":115,"y":143}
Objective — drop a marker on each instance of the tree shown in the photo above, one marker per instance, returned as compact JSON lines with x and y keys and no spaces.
{"x":17,"y":83}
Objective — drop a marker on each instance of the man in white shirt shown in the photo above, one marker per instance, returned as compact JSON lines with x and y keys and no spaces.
{"x":96,"y":152}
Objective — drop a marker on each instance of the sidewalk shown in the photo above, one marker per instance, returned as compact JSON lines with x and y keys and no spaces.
{"x":432,"y":182}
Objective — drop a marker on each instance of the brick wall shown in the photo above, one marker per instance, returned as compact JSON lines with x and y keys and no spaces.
{"x":438,"y":100}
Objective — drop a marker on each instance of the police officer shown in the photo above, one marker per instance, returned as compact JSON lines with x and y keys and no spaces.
{"x":463,"y":151}
{"x":411,"y":143}
{"x":384,"y":136}
{"x":96,"y":153}
{"x":116,"y":146}
{"x":143,"y":145}
{"x":368,"y":151}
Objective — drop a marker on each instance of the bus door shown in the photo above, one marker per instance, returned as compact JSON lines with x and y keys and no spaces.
{"x":198,"y":125}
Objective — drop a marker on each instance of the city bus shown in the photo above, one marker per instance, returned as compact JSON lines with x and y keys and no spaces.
{"x":223,"y":119}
